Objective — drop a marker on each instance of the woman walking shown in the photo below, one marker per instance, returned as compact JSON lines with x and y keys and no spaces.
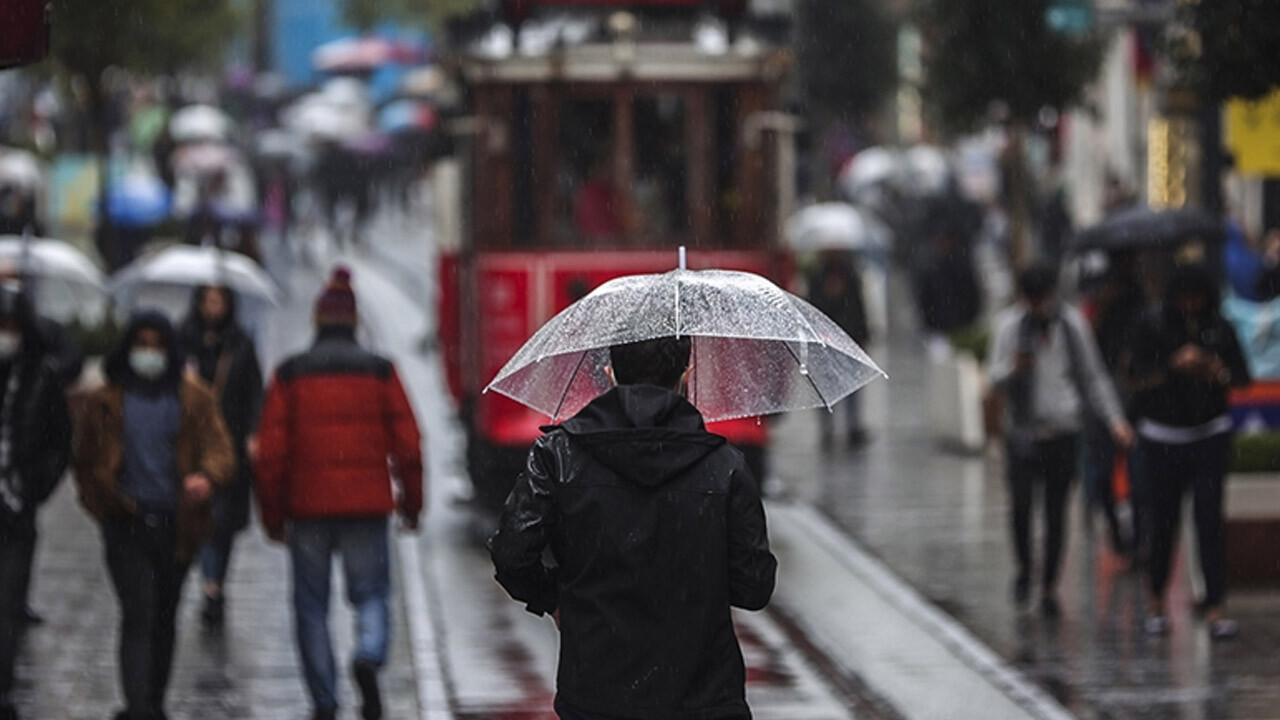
{"x":1184,"y":360}
{"x":224,"y":356}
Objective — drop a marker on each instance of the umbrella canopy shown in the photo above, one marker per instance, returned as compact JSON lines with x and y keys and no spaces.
{"x":403,"y":116}
{"x":1141,"y":227}
{"x":869,"y":168}
{"x":189,"y":267}
{"x":21,"y":169}
{"x":317,"y":117}
{"x":68,"y":284}
{"x":199,"y":122}
{"x":205,"y":157}
{"x":835,"y":226}
{"x":924,"y":171}
{"x":362,"y":54}
{"x":757,"y":349}
{"x":138,"y":200}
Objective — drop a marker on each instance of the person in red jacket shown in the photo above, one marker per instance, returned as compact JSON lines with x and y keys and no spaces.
{"x":336,"y":431}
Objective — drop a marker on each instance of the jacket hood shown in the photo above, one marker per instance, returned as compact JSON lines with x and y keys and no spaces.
{"x":644,"y":433}
{"x":116,"y":363}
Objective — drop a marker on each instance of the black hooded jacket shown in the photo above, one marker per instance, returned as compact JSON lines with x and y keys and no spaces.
{"x":657,"y":528}
{"x":42,"y":425}
{"x":1165,"y":395}
{"x":230,"y":366}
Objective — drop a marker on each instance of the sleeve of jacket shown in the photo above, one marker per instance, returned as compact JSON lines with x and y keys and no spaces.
{"x":524,"y":532}
{"x":406,"y":446}
{"x":254,"y":391}
{"x":1235,"y":360}
{"x":752,"y":567}
{"x":217,"y":454}
{"x":56,"y":434}
{"x":1102,"y":393}
{"x":67,"y":358}
{"x":87,"y":456}
{"x":273,"y":448}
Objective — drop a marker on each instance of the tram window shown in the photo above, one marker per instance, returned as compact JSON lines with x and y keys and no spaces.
{"x":526,"y":216}
{"x":727,"y":197}
{"x":661,"y":166}
{"x":590,"y":210}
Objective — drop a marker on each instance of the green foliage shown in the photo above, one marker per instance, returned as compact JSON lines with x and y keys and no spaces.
{"x":1234,"y":50}
{"x":1256,"y":453}
{"x":145,"y":36}
{"x":847,"y":56}
{"x":983,"y":52}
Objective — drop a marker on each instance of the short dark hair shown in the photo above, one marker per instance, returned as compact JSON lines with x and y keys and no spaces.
{"x":660,"y":361}
{"x":1038,"y":281}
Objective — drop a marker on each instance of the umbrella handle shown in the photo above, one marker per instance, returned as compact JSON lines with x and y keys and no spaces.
{"x":684,"y":258}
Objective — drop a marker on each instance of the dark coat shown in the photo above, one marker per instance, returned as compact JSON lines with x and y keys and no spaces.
{"x":657,"y":528}
{"x":227,"y":360}
{"x":42,"y":429}
{"x":1165,"y":395}
{"x":835,"y":288}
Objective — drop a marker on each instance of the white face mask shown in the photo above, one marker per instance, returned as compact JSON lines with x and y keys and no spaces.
{"x":149,"y":364}
{"x":10,"y":344}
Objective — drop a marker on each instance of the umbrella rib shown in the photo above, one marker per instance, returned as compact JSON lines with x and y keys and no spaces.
{"x":569,"y":386}
{"x":807,"y":376}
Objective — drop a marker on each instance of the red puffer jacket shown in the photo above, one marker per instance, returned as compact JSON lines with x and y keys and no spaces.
{"x":335,"y":429}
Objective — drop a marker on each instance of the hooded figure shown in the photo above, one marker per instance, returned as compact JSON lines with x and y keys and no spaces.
{"x":657,"y":529}
{"x":1182,"y":363}
{"x":35,"y":446}
{"x":224,"y":356}
{"x":151,"y":450}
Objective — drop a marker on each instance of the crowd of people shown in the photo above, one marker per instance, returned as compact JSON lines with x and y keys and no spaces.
{"x":166,"y":453}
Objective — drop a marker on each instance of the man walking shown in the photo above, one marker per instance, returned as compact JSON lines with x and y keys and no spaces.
{"x":151,"y":450}
{"x":657,"y":528}
{"x":1047,"y":365}
{"x":335,"y":430}
{"x":35,"y":446}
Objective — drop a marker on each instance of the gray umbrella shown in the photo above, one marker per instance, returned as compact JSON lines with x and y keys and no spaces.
{"x":1141,"y":227}
{"x":757,"y":349}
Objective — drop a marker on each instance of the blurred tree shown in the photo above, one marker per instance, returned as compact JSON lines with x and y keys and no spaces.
{"x":364,"y":15}
{"x":1000,"y":60}
{"x":149,"y":37}
{"x":987,"y":53}
{"x":1233,"y":51}
{"x":847,"y":56}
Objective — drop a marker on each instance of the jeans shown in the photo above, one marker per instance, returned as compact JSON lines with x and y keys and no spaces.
{"x":215,"y":556}
{"x":148,"y":582}
{"x":1171,"y":470}
{"x":565,"y":712}
{"x":365,"y":551}
{"x":1051,"y":463}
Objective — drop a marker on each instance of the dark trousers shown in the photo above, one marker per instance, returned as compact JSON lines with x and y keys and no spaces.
{"x":1171,"y":470}
{"x":148,"y":582}
{"x":1050,"y":464}
{"x":565,"y":712}
{"x":12,"y":562}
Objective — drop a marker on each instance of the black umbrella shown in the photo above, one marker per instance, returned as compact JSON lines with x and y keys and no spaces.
{"x":1141,"y":228}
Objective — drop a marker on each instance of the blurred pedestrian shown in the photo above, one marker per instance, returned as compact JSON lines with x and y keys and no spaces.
{"x":1185,"y":360}
{"x":1114,"y":309}
{"x":65,"y":360}
{"x":656,"y":529}
{"x":223,"y":355}
{"x":835,"y":288}
{"x":1046,"y":365}
{"x":948,"y":294}
{"x":1245,"y":265}
{"x":336,"y":429}
{"x":151,"y":451}
{"x":35,"y":447}
{"x":1268,"y":284}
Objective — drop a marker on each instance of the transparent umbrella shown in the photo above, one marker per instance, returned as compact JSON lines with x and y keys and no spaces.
{"x":189,"y":267}
{"x":757,"y":349}
{"x":836,"y":226}
{"x":68,"y":285}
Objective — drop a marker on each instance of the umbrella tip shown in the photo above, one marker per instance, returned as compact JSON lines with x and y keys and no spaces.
{"x":684,"y":258}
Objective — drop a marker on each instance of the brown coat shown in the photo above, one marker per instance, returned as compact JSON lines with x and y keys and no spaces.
{"x":203,"y":446}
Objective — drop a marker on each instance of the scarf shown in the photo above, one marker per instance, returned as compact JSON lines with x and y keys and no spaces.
{"x":11,"y":494}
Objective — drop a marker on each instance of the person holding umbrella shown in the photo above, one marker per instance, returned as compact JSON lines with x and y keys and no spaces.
{"x":1184,"y":359}
{"x":35,"y":447}
{"x":223,"y":355}
{"x":658,"y":529}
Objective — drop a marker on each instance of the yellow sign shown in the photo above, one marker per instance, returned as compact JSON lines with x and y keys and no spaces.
{"x":1253,"y":134}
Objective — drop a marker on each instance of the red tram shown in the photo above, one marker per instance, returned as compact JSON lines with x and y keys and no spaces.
{"x":596,"y":158}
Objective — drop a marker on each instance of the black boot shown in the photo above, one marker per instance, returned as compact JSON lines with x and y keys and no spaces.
{"x":214,"y":612}
{"x":366,"y":676}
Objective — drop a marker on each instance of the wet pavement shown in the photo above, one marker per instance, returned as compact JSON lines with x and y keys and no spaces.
{"x":939,"y":520}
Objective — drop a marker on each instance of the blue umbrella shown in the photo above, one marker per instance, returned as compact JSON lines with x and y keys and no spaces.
{"x":138,"y":201}
{"x":406,"y":116}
